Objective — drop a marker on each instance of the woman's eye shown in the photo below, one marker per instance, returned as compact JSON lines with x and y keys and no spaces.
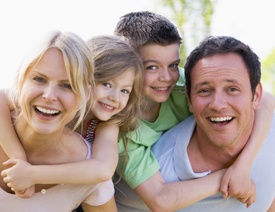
{"x":39,"y":79}
{"x":67,"y":86}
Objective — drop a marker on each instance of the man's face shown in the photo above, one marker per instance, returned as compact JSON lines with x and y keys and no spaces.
{"x":221,"y":99}
{"x":161,"y":71}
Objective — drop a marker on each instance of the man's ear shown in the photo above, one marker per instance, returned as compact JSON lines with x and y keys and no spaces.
{"x":188,"y":100}
{"x":257,"y":96}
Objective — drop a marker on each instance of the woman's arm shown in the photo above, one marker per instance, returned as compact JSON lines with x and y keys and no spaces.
{"x":99,"y":168}
{"x":236,"y":179}
{"x":8,"y":137}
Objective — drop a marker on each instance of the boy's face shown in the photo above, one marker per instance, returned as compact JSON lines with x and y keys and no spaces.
{"x":161,"y":70}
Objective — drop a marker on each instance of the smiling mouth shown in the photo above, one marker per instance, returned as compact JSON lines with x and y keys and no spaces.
{"x":46,"y":112}
{"x":221,"y":120}
{"x":107,"y":106}
{"x":160,"y":88}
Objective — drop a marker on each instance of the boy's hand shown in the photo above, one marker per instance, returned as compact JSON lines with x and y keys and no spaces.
{"x":238,"y":184}
{"x":18,"y":176}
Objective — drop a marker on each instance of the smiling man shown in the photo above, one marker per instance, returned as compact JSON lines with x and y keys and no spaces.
{"x":224,"y":91}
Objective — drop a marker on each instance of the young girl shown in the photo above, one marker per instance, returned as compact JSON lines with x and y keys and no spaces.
{"x":118,"y":77}
{"x":52,"y":88}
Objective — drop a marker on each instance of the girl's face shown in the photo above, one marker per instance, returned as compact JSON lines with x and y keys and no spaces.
{"x":112,"y":96}
{"x":47,"y":100}
{"x":161,"y":71}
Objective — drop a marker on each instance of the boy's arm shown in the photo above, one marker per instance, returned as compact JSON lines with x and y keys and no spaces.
{"x":99,"y":168}
{"x":272,"y":207}
{"x":8,"y":137}
{"x":161,"y":196}
{"x":236,"y":178}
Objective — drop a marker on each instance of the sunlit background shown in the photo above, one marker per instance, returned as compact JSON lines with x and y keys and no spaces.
{"x":23,"y":22}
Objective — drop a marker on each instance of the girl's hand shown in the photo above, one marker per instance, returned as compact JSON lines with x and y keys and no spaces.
{"x":26,"y":193}
{"x":18,"y":177}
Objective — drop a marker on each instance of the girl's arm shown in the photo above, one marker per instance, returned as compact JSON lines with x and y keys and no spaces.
{"x":8,"y":137}
{"x":99,"y":168}
{"x":237,"y":177}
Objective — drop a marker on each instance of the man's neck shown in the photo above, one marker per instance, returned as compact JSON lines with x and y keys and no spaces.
{"x":205,"y":156}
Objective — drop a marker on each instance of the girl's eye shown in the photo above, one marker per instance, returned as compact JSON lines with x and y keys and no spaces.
{"x":108,"y":85}
{"x":125,"y":91}
{"x":39,"y":79}
{"x":67,"y":86}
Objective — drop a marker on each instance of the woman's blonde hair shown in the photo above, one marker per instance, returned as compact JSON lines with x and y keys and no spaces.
{"x":78,"y":63}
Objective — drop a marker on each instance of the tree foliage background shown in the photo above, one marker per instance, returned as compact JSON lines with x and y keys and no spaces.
{"x":193,"y":20}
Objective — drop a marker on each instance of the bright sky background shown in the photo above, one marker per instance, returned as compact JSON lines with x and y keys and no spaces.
{"x":23,"y":22}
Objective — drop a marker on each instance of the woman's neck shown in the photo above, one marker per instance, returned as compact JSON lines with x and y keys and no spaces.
{"x":36,"y":143}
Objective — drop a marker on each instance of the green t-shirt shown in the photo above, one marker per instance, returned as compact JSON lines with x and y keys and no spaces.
{"x":141,"y":163}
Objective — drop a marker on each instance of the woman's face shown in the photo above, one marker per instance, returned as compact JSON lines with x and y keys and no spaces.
{"x":47,"y":100}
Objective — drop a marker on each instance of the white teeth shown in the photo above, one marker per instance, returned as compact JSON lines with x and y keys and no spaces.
{"x":219,"y":119}
{"x":161,"y":89}
{"x":108,"y":107}
{"x":43,"y":110}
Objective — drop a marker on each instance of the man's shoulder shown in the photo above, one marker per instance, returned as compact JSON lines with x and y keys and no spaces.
{"x":169,"y":138}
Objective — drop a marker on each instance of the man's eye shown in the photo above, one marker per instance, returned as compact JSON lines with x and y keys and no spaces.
{"x":232,"y":89}
{"x":175,"y":65}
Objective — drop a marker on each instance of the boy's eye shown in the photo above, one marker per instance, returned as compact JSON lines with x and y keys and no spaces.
{"x":151,"y":67}
{"x":108,"y":85}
